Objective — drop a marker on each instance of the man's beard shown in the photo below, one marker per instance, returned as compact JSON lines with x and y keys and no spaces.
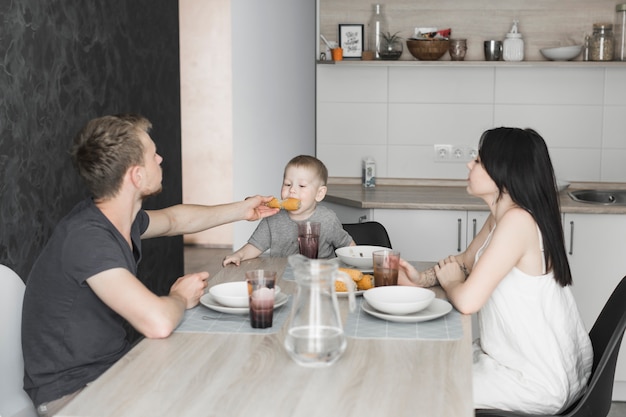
{"x":152,"y":194}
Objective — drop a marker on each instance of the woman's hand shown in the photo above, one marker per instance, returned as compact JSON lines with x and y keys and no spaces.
{"x":449,"y":272}
{"x":408,"y":275}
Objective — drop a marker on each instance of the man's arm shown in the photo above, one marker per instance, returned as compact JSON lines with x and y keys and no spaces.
{"x":189,"y":218}
{"x":151,"y":315}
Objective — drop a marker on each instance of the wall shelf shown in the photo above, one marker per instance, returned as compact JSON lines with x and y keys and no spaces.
{"x":465,"y":64}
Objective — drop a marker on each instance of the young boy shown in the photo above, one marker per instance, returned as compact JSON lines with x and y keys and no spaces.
{"x":305,"y":179}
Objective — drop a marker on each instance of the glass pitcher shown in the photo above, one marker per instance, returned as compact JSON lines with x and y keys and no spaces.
{"x":315,"y":335}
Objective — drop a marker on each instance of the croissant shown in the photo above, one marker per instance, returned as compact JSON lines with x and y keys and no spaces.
{"x":289,"y":204}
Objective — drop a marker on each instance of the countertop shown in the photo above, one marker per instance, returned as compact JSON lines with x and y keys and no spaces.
{"x":443,"y":195}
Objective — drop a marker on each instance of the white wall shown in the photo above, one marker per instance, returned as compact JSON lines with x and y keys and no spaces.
{"x":206,"y":110}
{"x":273,"y":62}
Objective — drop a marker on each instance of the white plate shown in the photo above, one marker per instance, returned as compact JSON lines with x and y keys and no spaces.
{"x":436,"y":309}
{"x":344,"y":294}
{"x":369,"y":271}
{"x":207,"y":300}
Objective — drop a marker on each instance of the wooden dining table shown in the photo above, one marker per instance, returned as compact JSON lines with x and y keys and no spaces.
{"x":242,"y":374}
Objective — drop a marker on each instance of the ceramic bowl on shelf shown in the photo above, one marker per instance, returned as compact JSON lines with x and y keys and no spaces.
{"x":399,"y":299}
{"x":428,"y":49}
{"x":562,"y":53}
{"x":359,"y":256}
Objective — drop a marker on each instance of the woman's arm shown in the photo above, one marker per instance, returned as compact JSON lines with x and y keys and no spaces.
{"x":513,"y":239}
{"x":408,"y":275}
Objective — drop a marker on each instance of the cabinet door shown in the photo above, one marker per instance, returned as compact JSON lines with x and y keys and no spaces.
{"x":596,"y":248}
{"x":425,"y":235}
{"x":475,"y":222}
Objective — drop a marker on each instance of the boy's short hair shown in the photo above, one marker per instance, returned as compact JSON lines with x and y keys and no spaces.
{"x":311,"y":162}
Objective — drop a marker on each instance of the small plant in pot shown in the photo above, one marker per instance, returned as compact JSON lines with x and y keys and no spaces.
{"x":390,"y":46}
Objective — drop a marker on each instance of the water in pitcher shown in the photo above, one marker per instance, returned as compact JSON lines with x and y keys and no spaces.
{"x":321,"y":349}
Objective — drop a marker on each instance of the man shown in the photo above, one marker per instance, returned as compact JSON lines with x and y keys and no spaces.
{"x":83,"y":287}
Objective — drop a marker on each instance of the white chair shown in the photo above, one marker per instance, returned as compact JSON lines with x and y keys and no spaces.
{"x":13,"y":400}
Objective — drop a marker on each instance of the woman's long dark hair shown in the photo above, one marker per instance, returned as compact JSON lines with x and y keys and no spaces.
{"x":517,"y":160}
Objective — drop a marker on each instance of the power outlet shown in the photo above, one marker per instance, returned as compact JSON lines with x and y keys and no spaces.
{"x":472,"y":153}
{"x":454,"y":153}
{"x":458,"y":153}
{"x":442,"y":152}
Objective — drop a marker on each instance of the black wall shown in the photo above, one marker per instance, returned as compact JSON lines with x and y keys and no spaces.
{"x":63,"y":62}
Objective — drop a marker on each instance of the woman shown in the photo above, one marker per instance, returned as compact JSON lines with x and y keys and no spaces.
{"x":533,"y":354}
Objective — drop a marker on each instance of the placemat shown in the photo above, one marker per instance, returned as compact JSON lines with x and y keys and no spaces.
{"x":361,"y":325}
{"x":201,"y":319}
{"x":289,"y":275}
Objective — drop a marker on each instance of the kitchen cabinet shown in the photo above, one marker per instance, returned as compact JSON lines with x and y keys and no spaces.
{"x":425,"y":235}
{"x":430,"y":235}
{"x":596,"y":249}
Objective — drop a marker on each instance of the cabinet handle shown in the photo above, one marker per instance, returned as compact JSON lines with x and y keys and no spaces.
{"x":571,"y":237}
{"x":362,"y":219}
{"x":473,"y":228}
{"x":458,"y":249}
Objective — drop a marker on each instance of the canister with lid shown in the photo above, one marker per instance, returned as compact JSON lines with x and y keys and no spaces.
{"x":601,"y":45}
{"x":620,"y":32}
{"x":513,"y":46}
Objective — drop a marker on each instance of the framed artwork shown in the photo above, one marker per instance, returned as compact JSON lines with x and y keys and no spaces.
{"x":351,"y":40}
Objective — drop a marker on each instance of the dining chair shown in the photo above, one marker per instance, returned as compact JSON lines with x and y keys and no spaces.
{"x":368,"y":233}
{"x":13,"y":400}
{"x":606,"y":337}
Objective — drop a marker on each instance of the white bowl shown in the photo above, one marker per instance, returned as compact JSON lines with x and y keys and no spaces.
{"x":399,"y":299}
{"x":359,"y":256}
{"x":561,"y":53}
{"x":234,"y":294}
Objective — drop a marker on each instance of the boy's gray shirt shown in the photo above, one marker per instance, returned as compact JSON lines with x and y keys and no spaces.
{"x":279,"y":234}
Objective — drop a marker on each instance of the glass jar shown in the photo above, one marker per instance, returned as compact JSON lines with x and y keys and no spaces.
{"x":601,"y":44}
{"x":620,"y":34}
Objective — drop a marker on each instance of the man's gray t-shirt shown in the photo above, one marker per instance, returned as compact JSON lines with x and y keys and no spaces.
{"x":69,"y":336}
{"x":280,"y":234}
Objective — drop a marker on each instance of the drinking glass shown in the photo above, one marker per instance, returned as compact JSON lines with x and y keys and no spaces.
{"x":386,"y":265}
{"x":261,"y":292}
{"x":308,"y":238}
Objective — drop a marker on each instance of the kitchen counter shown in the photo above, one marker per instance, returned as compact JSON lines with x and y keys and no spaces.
{"x":442,"y":195}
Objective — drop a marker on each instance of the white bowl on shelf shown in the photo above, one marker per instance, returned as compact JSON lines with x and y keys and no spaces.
{"x":562,"y":53}
{"x":399,"y":299}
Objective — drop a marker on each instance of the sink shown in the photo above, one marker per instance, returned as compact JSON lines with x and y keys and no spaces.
{"x":602,"y":197}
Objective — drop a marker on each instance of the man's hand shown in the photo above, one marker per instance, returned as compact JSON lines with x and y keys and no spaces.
{"x":190,"y":288}
{"x":257,"y":208}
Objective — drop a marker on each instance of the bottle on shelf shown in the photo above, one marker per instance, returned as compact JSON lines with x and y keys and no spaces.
{"x":586,"y":46}
{"x":377,"y":25}
{"x":620,"y":32}
{"x":513,"y":46}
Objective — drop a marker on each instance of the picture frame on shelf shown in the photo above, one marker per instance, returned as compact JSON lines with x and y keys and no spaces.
{"x":351,"y":39}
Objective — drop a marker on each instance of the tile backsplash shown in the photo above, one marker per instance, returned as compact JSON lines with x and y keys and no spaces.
{"x":398,"y":113}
